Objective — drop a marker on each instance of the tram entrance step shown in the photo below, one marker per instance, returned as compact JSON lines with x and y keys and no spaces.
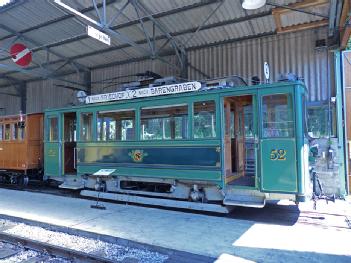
{"x":72,"y":182}
{"x":244,"y":197}
{"x":71,"y":186}
{"x":245,"y":200}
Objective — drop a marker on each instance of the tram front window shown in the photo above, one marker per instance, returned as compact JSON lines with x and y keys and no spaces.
{"x":164,"y":123}
{"x":53,"y":129}
{"x":204,"y":119}
{"x":86,"y":126}
{"x":277,"y":116}
{"x":116,"y":125}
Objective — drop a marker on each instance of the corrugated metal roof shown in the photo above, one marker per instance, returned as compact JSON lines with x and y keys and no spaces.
{"x":292,"y":52}
{"x":47,"y":28}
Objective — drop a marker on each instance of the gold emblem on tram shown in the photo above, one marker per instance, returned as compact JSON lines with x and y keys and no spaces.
{"x":138,"y":155}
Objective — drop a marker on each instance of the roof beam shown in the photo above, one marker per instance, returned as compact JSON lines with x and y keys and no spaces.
{"x":32,"y":41}
{"x":179,"y":33}
{"x":130,"y":23}
{"x":345,"y":25}
{"x":121,"y":37}
{"x":305,"y":26}
{"x":37,"y":74}
{"x":299,"y":7}
{"x":56,"y":20}
{"x":167,"y":53}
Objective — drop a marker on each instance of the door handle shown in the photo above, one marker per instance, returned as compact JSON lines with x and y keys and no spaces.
{"x":75,"y":158}
{"x":257,"y":142}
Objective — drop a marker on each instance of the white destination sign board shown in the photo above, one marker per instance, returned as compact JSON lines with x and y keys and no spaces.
{"x":94,"y":33}
{"x":145,"y":92}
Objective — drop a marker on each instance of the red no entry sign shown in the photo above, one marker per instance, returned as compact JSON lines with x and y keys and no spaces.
{"x":20,"y":54}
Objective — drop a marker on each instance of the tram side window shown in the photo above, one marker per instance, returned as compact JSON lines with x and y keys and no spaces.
{"x":116,"y":125}
{"x":53,"y":129}
{"x":20,"y":131}
{"x":164,"y":123}
{"x":1,"y":132}
{"x":14,"y":131}
{"x":204,"y":119}
{"x":86,"y":130}
{"x":7,"y":132}
{"x":277,"y":116}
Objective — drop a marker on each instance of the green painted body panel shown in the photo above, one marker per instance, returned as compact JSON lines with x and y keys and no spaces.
{"x":278,"y":165}
{"x":174,"y":157}
{"x":52,"y":158}
{"x":177,"y":174}
{"x":168,"y":159}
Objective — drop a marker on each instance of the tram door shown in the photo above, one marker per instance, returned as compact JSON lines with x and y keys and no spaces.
{"x":240,"y":153}
{"x":52,"y":145}
{"x":69,"y":142}
{"x":277,"y":141}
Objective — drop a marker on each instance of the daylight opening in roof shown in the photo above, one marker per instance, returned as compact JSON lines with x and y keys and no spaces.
{"x":5,"y":2}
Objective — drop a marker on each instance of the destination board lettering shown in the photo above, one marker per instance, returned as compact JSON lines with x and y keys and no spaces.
{"x":144,"y":92}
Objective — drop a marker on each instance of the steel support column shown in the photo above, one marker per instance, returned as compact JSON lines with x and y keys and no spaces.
{"x":87,"y":81}
{"x":342,"y":153}
{"x":22,"y":91}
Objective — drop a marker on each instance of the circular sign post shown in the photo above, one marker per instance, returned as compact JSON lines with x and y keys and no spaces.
{"x":20,"y":54}
{"x":266,"y":71}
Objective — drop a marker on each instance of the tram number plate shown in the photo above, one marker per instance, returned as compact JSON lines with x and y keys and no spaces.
{"x":278,"y":155}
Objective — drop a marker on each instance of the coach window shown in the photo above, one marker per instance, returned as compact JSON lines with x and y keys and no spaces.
{"x":53,"y":129}
{"x":116,"y":125}
{"x":21,"y":131}
{"x":86,"y":131}
{"x":7,"y":132}
{"x":14,"y":131}
{"x":277,"y":116}
{"x":164,"y":123}
{"x":204,"y":119}
{"x":1,"y":132}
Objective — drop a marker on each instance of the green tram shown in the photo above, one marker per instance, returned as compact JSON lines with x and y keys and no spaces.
{"x":202,"y":146}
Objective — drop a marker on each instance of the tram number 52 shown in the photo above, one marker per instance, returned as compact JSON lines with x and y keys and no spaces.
{"x":278,"y":154}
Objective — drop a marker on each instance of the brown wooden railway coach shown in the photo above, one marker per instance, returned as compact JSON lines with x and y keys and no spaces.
{"x":21,"y":146}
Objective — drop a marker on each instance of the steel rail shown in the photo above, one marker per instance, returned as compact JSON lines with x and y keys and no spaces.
{"x":53,"y":250}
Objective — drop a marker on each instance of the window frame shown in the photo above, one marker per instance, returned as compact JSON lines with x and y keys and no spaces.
{"x":217,"y":112}
{"x":323,"y":105}
{"x":113,"y":110}
{"x":163,"y":106}
{"x":48,"y":137}
{"x":290,"y":103}
{"x":80,"y":126}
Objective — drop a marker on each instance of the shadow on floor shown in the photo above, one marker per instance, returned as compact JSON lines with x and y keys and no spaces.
{"x":277,"y":255}
{"x":270,"y":214}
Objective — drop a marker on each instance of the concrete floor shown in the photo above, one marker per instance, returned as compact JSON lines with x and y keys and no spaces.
{"x":273,"y":234}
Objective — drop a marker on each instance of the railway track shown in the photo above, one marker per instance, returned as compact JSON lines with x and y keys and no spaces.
{"x":42,"y":252}
{"x":33,"y":242}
